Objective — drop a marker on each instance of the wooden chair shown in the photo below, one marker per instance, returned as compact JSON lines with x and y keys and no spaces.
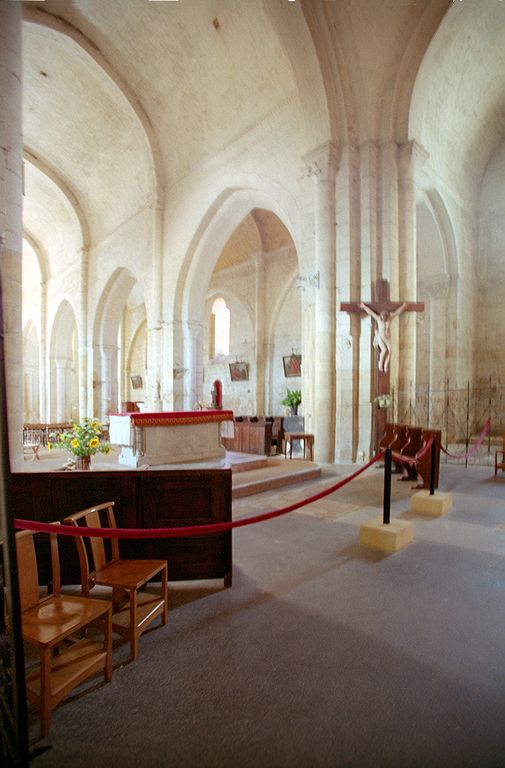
{"x":132,"y":610}
{"x":500,"y":464}
{"x":54,"y":626}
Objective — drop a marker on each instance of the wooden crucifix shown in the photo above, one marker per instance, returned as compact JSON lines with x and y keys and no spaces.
{"x":383,"y":311}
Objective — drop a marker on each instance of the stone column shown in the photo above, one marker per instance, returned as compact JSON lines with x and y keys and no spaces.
{"x":352,"y":425}
{"x":108,"y":356}
{"x":411,"y":157}
{"x":154,"y":330}
{"x":11,"y":227}
{"x":83,"y":337}
{"x":322,"y":166}
{"x":259,"y":332}
{"x":62,"y":366}
{"x":308,"y":287}
{"x":193,"y":390}
{"x":43,"y":368}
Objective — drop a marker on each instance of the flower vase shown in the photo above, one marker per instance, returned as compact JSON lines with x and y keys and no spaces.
{"x":83,"y":462}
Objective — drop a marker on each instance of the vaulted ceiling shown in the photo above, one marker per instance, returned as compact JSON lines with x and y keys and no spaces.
{"x":124,"y":98}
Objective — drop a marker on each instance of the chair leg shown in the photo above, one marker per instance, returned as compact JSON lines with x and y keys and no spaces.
{"x":107,"y":641}
{"x":45,"y":691}
{"x":164,"y":595}
{"x":134,"y":639}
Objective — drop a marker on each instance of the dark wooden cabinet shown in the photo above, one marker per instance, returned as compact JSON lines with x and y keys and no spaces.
{"x":142,"y":499}
{"x":250,"y":437}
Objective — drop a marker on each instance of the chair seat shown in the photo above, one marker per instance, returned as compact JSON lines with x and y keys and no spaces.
{"x":49,"y":622}
{"x":130,"y":574}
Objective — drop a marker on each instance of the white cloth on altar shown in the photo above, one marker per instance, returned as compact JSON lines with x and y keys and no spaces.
{"x":120,"y":430}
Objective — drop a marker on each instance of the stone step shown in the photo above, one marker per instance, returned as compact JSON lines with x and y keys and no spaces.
{"x":278,"y":473}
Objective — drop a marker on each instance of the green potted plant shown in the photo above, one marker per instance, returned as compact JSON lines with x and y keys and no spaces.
{"x":292,"y":400}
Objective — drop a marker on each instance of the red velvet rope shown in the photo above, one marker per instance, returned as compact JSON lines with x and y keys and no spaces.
{"x":475,"y":448}
{"x":190,"y":530}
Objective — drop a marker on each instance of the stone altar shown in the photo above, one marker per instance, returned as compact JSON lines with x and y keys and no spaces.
{"x":150,"y":439}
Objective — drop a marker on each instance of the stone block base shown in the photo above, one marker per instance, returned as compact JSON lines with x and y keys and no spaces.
{"x":436,"y":505}
{"x":390,"y":538}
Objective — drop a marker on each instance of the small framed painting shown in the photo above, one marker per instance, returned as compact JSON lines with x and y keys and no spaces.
{"x":292,"y":365}
{"x":239,"y":371}
{"x":136,"y":382}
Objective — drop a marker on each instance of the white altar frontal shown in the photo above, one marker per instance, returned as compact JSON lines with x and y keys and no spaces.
{"x":150,"y":439}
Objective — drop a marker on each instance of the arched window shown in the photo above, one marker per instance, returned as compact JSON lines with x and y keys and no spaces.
{"x":219,"y":329}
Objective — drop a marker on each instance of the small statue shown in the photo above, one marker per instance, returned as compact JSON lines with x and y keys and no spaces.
{"x":382,"y":338}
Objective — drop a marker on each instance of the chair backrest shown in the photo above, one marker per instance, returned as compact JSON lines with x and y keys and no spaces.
{"x":92,"y":517}
{"x":27,"y":568}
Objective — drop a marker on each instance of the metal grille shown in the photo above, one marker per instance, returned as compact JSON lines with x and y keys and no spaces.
{"x":460,"y":413}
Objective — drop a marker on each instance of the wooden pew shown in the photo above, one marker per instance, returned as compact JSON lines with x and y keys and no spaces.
{"x":411,"y":447}
{"x":497,"y":463}
{"x":409,"y":441}
{"x":397,"y":444}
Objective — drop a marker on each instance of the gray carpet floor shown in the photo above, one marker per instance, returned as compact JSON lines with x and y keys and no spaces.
{"x":323,"y":653}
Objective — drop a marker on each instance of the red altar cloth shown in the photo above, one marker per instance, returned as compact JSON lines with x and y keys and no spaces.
{"x":172,"y":418}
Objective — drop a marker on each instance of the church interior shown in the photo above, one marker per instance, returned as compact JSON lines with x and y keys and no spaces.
{"x":201,"y":204}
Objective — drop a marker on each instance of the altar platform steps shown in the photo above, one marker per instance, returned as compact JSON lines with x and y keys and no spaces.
{"x":275,"y":474}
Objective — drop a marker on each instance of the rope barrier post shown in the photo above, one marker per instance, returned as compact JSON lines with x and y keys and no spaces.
{"x":433,"y":467}
{"x":387,"y":487}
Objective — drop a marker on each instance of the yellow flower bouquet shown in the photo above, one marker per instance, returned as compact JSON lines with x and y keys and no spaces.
{"x":83,"y":439}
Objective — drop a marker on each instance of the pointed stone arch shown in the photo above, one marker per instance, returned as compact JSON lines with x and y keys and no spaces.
{"x":215,"y":228}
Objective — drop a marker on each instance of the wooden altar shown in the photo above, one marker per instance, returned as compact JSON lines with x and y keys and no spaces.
{"x":151,"y":439}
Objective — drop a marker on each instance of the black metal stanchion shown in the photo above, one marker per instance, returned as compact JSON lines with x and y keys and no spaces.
{"x":387,"y":487}
{"x":433,"y":466}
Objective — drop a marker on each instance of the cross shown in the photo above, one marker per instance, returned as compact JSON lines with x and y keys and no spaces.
{"x":382,"y":304}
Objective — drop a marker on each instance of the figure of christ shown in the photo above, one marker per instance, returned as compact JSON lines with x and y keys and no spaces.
{"x":382,"y":338}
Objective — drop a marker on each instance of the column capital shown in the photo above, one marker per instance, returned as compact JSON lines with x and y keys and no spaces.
{"x":322,"y":163}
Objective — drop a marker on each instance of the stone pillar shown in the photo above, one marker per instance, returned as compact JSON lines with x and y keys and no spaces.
{"x":193,"y":390}
{"x":411,"y":157}
{"x":259,"y":333}
{"x":83,"y":337}
{"x":352,"y":424}
{"x":108,"y":356}
{"x":154,"y":331}
{"x":172,"y":391}
{"x":322,"y":166}
{"x":62,"y":368}
{"x":43,"y":367}
{"x":11,"y":226}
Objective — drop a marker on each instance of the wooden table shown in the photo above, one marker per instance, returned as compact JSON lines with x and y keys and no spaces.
{"x":308,"y":443}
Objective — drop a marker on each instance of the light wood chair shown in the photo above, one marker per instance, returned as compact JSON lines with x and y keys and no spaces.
{"x":500,"y":464}
{"x":54,"y":625}
{"x":132,"y":610}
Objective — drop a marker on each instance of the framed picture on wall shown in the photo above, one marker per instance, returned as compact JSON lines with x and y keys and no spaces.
{"x":239,"y":371}
{"x":136,"y":382}
{"x":292,"y":365}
